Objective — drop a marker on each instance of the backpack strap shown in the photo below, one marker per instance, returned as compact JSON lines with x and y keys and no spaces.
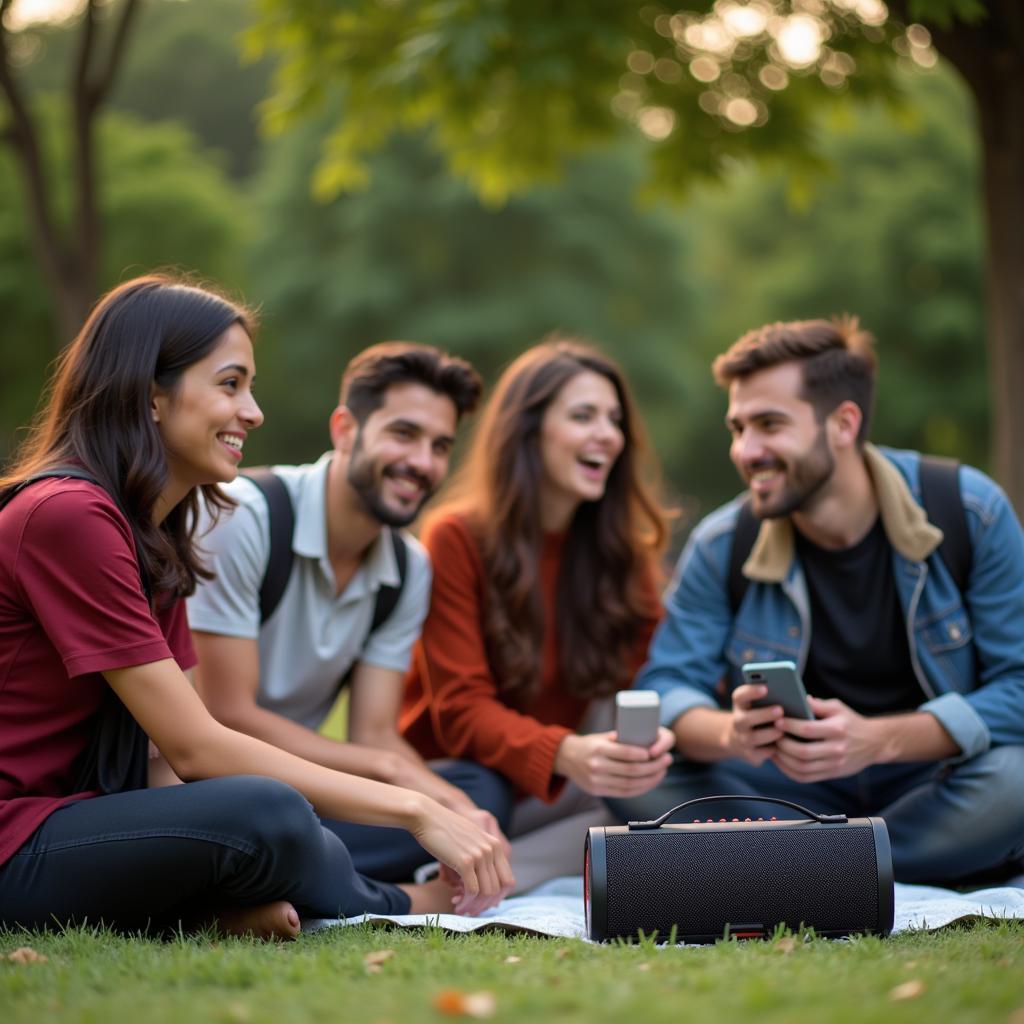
{"x":387,"y":596}
{"x":70,"y":472}
{"x":940,"y":495}
{"x":282,"y":527}
{"x":387,"y":599}
{"x":939,"y":479}
{"x":743,"y":537}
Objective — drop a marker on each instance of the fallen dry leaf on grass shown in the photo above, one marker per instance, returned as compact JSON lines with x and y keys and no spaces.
{"x":513,"y":960}
{"x":456,"y":1003}
{"x":372,"y":961}
{"x":1017,"y":1017}
{"x":562,"y":952}
{"x":908,"y":990}
{"x":643,"y":967}
{"x":27,"y":955}
{"x":787,"y":944}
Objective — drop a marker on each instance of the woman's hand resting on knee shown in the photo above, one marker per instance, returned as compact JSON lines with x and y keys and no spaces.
{"x":602,"y":766}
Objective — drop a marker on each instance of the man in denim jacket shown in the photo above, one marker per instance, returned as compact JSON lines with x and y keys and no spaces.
{"x":917,"y":690}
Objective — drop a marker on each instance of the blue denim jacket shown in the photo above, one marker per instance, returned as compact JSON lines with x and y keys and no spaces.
{"x":967,"y":650}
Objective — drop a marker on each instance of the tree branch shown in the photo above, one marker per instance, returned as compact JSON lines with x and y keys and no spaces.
{"x":22,"y":137}
{"x":102,"y":84}
{"x":80,"y":89}
{"x":83,"y":109}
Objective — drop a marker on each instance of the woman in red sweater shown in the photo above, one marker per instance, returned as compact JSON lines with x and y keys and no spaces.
{"x":149,"y":410}
{"x":546,"y":564}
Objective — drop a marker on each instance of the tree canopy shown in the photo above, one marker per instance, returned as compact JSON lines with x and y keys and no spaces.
{"x":509,"y":91}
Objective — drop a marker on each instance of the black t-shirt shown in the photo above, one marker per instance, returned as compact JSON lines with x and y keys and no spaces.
{"x":859,"y":649}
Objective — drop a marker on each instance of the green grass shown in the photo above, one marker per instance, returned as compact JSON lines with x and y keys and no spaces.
{"x":968,"y":975}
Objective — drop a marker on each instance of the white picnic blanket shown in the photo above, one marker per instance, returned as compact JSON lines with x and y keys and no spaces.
{"x":556,"y":909}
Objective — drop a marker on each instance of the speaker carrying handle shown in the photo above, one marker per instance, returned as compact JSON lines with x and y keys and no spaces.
{"x":824,"y":819}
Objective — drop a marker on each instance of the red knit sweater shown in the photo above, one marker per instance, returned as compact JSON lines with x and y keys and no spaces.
{"x":452,"y":707}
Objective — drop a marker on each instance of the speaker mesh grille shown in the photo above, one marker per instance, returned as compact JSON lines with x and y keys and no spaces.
{"x":824,"y":877}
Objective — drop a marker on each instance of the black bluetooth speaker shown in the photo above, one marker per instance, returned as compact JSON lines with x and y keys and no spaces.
{"x":711,"y":879}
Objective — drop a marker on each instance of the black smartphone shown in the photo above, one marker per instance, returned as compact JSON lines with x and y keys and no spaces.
{"x":784,"y":684}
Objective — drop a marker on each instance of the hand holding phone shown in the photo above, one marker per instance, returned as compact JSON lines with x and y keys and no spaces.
{"x":785,"y":687}
{"x":637,"y":716}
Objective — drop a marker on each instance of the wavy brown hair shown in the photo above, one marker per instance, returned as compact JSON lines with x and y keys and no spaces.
{"x":142,"y":335}
{"x":611,"y":556}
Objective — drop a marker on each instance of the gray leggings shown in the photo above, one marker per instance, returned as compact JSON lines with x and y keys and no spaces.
{"x":155,"y":857}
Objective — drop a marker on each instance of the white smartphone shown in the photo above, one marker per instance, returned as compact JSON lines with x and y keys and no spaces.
{"x":784,"y":684}
{"x":637,"y":716}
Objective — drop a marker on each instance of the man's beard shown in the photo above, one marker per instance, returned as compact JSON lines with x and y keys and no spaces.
{"x":802,"y":481}
{"x":367,"y":481}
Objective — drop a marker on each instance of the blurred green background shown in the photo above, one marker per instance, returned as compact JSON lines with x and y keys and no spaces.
{"x":891,"y":231}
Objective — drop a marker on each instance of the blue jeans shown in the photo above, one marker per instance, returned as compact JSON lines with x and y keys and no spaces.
{"x":947,"y":821}
{"x":152,"y":858}
{"x":392,"y":854}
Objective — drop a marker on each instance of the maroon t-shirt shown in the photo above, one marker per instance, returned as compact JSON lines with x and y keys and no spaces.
{"x":71,"y":607}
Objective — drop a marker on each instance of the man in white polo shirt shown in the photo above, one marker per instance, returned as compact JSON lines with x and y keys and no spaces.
{"x":273,"y":656}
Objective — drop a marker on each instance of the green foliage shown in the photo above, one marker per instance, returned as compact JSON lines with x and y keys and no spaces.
{"x":967,"y":975}
{"x":945,"y":12}
{"x":418,"y":257}
{"x":164,"y":204}
{"x":510,"y":92}
{"x":183,"y":63}
{"x":895,"y":238}
{"x":891,"y":233}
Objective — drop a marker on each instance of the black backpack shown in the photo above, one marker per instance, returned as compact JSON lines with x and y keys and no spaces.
{"x":281,"y":557}
{"x":940,"y":497}
{"x":117,"y":756}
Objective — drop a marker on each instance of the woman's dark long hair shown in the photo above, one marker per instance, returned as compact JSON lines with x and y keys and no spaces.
{"x":610,"y":566}
{"x":142,"y":335}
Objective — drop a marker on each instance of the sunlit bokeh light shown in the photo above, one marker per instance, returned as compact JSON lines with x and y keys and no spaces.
{"x":668,"y":71}
{"x":743,"y":20}
{"x":29,"y":12}
{"x":640,"y":62}
{"x":705,"y":69}
{"x":744,"y":50}
{"x":921,"y":50}
{"x":740,"y":111}
{"x":656,"y":122}
{"x":711,"y":36}
{"x":871,"y":12}
{"x":799,"y":40}
{"x":773,"y":77}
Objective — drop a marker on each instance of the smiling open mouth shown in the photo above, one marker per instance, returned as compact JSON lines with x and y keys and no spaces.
{"x":232,"y":441}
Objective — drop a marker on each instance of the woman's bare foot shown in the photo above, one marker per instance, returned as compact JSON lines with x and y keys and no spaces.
{"x":277,"y":920}
{"x":433,"y":897}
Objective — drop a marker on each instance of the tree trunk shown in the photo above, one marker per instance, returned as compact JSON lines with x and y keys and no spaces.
{"x":990,"y":56}
{"x":69,"y":259}
{"x":1001,"y":111}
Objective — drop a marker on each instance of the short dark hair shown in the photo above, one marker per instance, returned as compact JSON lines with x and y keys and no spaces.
{"x":836,"y":356}
{"x":369,"y":375}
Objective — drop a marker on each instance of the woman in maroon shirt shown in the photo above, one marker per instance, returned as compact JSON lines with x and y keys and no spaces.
{"x":149,"y":410}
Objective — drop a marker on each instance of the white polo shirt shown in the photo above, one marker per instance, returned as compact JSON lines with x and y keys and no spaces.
{"x":315,"y":635}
